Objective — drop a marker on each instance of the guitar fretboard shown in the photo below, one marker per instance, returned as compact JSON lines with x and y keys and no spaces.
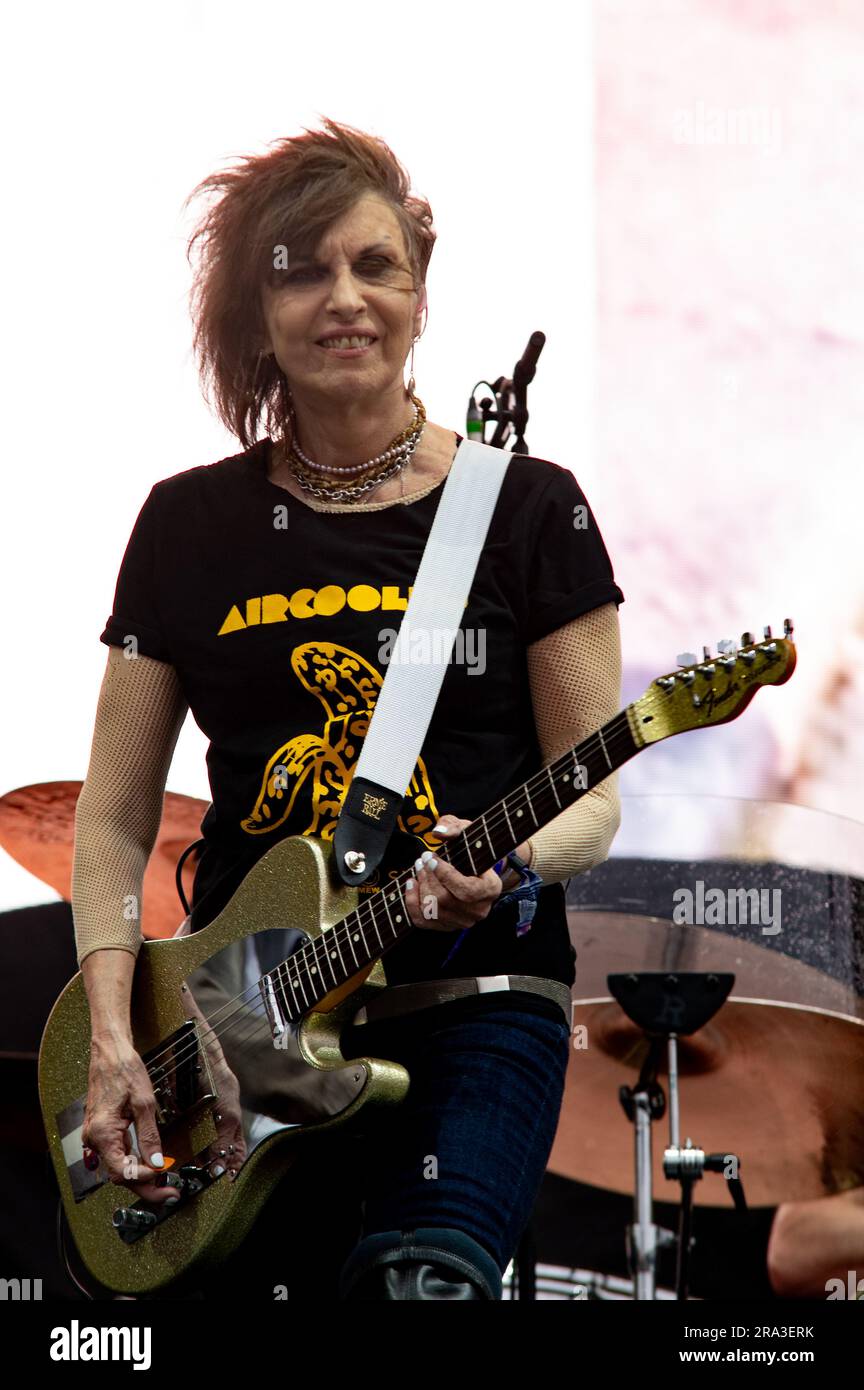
{"x":323,"y":964}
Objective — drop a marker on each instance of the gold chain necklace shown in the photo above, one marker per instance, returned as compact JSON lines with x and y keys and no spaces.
{"x":367,"y":475}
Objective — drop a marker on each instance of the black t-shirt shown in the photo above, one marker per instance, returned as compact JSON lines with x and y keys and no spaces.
{"x":274,"y":617}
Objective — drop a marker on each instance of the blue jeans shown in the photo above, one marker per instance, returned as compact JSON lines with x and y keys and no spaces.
{"x":466,"y":1150}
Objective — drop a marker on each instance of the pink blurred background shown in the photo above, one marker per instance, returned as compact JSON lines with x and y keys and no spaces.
{"x":730,"y":411}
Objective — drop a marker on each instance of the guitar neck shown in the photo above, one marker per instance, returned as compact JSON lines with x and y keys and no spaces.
{"x":382,"y":920}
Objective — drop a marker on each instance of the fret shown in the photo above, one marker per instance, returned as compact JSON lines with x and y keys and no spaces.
{"x":315,"y":967}
{"x":603,"y":746}
{"x":470,"y":855}
{"x":351,"y":935}
{"x":530,"y":805}
{"x":513,"y":836}
{"x":284,"y":971}
{"x":492,"y":849}
{"x":328,"y":956}
{"x":333,"y":936}
{"x":300,"y":956}
{"x":554,"y":788}
{"x":372,"y":911}
{"x":388,"y":893}
{"x":456,"y":852}
{"x":405,"y":920}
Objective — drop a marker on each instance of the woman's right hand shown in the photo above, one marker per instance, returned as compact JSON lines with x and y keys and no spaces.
{"x":119,"y":1091}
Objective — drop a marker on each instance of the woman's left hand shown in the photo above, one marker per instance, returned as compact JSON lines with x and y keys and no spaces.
{"x":442,"y":899}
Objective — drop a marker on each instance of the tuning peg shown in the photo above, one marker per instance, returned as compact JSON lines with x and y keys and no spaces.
{"x":746,"y":639}
{"x":706,"y":654}
{"x":788,"y":627}
{"x":726,"y":645}
{"x":767,"y":633}
{"x":686,"y":658}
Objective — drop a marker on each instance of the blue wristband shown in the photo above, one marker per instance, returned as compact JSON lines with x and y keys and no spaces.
{"x":526,"y":893}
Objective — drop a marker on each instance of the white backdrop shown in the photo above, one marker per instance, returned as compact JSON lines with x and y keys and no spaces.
{"x":111,"y":117}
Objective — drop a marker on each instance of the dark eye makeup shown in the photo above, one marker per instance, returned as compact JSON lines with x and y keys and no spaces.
{"x":375,"y":265}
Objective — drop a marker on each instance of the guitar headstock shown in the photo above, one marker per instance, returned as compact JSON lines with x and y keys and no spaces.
{"x":714,"y":690}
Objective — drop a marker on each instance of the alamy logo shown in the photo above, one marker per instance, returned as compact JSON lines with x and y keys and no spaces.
{"x":20,"y":1290}
{"x":853,"y":1288}
{"x":78,"y":1343}
{"x":737,"y":906}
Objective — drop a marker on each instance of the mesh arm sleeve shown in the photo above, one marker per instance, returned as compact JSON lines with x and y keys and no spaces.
{"x":139,"y":716}
{"x":575,"y":675}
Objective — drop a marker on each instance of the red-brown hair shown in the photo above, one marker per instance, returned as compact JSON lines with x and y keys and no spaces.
{"x":289,"y":197}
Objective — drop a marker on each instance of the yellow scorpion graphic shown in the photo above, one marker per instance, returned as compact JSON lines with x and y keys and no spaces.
{"x":347,"y":687}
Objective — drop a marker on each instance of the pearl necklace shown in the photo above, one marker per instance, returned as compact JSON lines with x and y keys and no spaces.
{"x":394,"y":458}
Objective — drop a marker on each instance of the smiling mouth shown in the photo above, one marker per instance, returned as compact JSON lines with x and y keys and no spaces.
{"x":349,"y":345}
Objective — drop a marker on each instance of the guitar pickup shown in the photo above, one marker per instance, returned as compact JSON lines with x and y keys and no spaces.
{"x":180,"y":1072}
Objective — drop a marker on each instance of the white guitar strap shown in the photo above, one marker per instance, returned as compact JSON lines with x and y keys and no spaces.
{"x":419,"y":659}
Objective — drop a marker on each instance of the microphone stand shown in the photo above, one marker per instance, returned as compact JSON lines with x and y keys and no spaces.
{"x":510,"y":410}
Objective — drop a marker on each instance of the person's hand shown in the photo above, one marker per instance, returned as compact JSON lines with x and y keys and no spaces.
{"x":440,"y":898}
{"x":228,"y":1149}
{"x":119,"y":1092}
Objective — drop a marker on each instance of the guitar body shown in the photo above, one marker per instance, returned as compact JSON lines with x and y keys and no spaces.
{"x":289,"y":887}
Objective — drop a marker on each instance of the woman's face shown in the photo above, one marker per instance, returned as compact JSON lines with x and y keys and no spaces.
{"x":358,"y":282}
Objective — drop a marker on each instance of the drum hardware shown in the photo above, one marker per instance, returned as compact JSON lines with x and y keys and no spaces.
{"x":37,"y":829}
{"x":654,"y":1001}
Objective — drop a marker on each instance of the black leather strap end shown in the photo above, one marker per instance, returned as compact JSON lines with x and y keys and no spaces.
{"x":364,"y":826}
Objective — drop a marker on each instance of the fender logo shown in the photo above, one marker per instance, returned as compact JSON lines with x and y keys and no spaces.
{"x":712,"y":700}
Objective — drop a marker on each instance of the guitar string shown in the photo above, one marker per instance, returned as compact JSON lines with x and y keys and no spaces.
{"x":365,"y":909}
{"x":339,"y":935}
{"x":614,"y":727}
{"x":259,"y":1020}
{"x":589,"y":745}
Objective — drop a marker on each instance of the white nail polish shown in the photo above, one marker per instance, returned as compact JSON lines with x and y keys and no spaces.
{"x":217,"y":1171}
{"x":431,"y":862}
{"x":156,"y":1160}
{"x":418,"y":865}
{"x":409,"y":883}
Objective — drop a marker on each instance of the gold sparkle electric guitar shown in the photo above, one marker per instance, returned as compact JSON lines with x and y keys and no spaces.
{"x":192,"y":1003}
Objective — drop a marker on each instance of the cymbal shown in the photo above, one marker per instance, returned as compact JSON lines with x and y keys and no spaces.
{"x":37,"y":828}
{"x":776,"y":1077}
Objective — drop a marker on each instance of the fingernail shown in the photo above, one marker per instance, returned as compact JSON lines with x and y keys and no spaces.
{"x":439,"y":828}
{"x":156,"y":1160}
{"x":171,"y":1201}
{"x":409,"y":883}
{"x":418,"y":865}
{"x":431,"y":862}
{"x":218,"y":1170}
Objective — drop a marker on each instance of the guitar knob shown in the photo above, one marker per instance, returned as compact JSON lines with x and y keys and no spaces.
{"x":128,"y":1219}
